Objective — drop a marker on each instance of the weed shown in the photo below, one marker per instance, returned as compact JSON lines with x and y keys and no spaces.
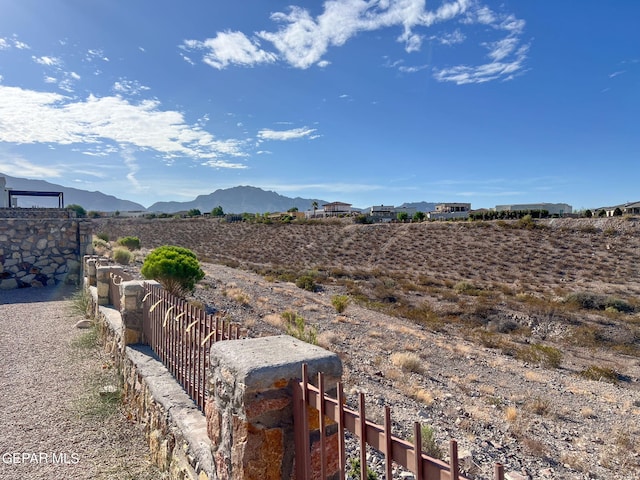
{"x":295,"y":326}
{"x":409,"y":362}
{"x":340,"y":302}
{"x":354,"y":470}
{"x":122,"y":256}
{"x":601,"y":374}
{"x":81,"y":303}
{"x":544,"y":355}
{"x":539,"y":406}
{"x":429,"y":444}
{"x":307,"y":282}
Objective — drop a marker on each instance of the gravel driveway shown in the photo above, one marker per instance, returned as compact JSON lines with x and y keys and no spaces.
{"x":55,"y":424}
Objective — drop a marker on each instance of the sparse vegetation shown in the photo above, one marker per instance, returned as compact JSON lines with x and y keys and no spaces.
{"x":122,"y":256}
{"x":295,"y":326}
{"x":409,"y":362}
{"x":428,"y":442}
{"x":600,"y":374}
{"x":340,"y":302}
{"x":132,"y":243}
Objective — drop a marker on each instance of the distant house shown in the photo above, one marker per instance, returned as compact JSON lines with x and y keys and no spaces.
{"x":632,"y":208}
{"x":450,"y":211}
{"x":336,"y":209}
{"x":388,"y":213}
{"x":553,"y":208}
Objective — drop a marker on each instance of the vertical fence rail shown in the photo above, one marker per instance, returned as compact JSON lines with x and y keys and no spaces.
{"x":181,"y":335}
{"x":406,"y":454}
{"x":115,"y":280}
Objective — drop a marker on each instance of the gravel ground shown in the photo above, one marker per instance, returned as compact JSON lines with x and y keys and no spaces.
{"x":55,"y":423}
{"x":540,"y":423}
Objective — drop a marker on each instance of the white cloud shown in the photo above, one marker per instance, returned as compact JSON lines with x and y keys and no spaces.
{"x":267,"y":134}
{"x":24,"y":168}
{"x":452,"y":38}
{"x":229,"y":48}
{"x":30,"y":117}
{"x":47,"y":61}
{"x":7,"y":43}
{"x":302,"y":40}
{"x":129,"y":87}
{"x":463,"y":74}
{"x":615,"y":74}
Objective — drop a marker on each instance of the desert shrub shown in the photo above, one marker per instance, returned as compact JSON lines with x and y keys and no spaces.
{"x":588,"y":213}
{"x":103,"y":236}
{"x":340,"y":302}
{"x":594,"y":301}
{"x":526,"y":222}
{"x":194,"y":212}
{"x":428,"y":442}
{"x":176,"y":268}
{"x":132,"y":243}
{"x":586,"y":336}
{"x":407,"y":361}
{"x":595,"y":372}
{"x":467,"y":288}
{"x":545,"y":355}
{"x":122,"y":256}
{"x":354,"y":470}
{"x":80,"y":211}
{"x":307,"y":282}
{"x":295,"y":326}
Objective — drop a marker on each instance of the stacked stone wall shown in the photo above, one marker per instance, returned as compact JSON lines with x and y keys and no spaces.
{"x":36,"y":251}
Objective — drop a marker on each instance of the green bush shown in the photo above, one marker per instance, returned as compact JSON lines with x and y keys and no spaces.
{"x":307,"y":282}
{"x":595,"y":372}
{"x":429,"y":444}
{"x":176,"y":268}
{"x":295,"y":326}
{"x":103,"y":236}
{"x":122,"y":256}
{"x":595,"y":301}
{"x":340,"y":302}
{"x":132,"y":243}
{"x":544,"y":355}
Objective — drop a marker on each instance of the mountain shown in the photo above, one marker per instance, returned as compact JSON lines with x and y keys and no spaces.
{"x":97,"y":201}
{"x":239,"y":200}
{"x":420,"y":206}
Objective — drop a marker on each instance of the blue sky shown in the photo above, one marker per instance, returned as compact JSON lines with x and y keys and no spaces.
{"x":378,"y":102}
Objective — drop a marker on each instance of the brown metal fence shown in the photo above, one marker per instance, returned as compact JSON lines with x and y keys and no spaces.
{"x":182,"y":335}
{"x":394,"y":449}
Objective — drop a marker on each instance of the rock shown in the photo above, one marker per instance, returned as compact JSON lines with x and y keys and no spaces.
{"x":84,"y":323}
{"x":107,"y":390}
{"x":515,"y":476}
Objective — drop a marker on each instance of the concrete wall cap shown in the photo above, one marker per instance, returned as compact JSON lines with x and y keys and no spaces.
{"x":260,"y":362}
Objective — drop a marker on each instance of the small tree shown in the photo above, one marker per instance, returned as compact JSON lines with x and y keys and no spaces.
{"x":80,"y":211}
{"x":588,"y":213}
{"x":402,"y":216}
{"x":217,"y":212}
{"x":194,"y":212}
{"x":132,"y":243}
{"x":418,"y":216}
{"x":617,"y":212}
{"x":176,"y":268}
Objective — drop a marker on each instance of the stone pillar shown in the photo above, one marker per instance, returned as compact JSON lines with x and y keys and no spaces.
{"x":89,"y":264}
{"x":102,"y":282}
{"x":131,"y":295}
{"x":250,"y":405}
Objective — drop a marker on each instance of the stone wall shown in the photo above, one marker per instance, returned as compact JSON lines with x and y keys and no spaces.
{"x":39,"y":248}
{"x":247,"y":430}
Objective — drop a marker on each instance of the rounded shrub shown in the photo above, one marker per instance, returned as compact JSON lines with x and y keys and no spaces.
{"x":176,"y":268}
{"x":132,"y":243}
{"x":122,"y":256}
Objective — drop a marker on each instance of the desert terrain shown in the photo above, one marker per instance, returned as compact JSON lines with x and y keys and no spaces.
{"x":519,"y":340}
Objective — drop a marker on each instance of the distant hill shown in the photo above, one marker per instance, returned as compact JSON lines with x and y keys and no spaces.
{"x":421,"y":206}
{"x":89,"y":200}
{"x":239,"y":200}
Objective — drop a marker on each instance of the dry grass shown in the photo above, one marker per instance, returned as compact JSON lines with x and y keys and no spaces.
{"x":407,"y":361}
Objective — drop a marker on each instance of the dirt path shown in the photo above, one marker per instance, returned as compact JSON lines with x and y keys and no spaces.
{"x":55,"y":424}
